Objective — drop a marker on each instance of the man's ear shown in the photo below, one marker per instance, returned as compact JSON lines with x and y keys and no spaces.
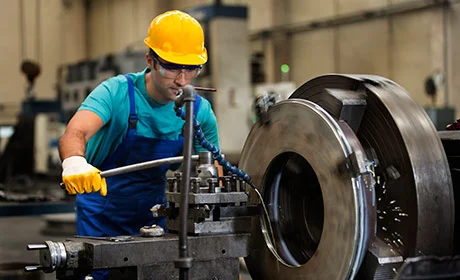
{"x":149,"y":60}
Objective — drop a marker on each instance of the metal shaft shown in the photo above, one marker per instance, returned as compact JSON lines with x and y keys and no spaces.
{"x":144,"y":165}
{"x":205,"y":89}
{"x":31,"y":268}
{"x":32,"y":247}
{"x":184,"y":261}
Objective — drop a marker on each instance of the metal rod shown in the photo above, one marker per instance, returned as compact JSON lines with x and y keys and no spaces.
{"x":205,"y":89}
{"x":32,"y":247}
{"x":144,"y":165}
{"x":188,"y":99}
{"x":30,"y":268}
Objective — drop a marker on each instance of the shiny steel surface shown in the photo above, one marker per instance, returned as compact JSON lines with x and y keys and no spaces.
{"x":304,"y":164}
{"x":414,"y":188}
{"x":54,"y":257}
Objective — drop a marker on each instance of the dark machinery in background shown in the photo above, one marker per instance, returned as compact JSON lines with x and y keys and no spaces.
{"x":32,"y":71}
{"x":76,"y":81}
{"x":19,"y":160}
{"x":13,"y":160}
{"x":30,"y":164}
{"x":441,"y":116}
{"x":356,"y":181}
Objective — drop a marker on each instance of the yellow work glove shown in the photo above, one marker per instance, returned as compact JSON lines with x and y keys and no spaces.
{"x":81,"y":177}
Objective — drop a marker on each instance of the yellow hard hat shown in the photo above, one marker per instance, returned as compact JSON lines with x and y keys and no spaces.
{"x":177,"y":38}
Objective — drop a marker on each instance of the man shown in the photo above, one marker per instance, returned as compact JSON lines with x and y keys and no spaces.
{"x":131,"y":119}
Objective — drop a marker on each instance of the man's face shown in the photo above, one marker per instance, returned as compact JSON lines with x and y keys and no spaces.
{"x":167,"y":82}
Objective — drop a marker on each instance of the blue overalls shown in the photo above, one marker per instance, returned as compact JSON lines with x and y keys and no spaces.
{"x":126,"y":208}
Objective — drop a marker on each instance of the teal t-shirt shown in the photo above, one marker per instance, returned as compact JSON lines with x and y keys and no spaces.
{"x":110,"y":101}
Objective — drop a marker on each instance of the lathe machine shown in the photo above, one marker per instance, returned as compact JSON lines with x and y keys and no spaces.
{"x":356,"y":183}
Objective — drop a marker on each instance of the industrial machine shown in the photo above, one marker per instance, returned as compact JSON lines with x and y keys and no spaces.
{"x":76,"y":81}
{"x":356,"y":183}
{"x":29,"y":161}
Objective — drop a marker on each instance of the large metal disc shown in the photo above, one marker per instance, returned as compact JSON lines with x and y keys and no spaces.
{"x":415,"y":195}
{"x":291,"y":159}
{"x":309,"y":169}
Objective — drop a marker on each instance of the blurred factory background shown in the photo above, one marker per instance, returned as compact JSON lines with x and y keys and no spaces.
{"x":54,"y":52}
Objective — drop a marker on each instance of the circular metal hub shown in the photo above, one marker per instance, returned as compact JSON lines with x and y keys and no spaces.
{"x":302,"y":162}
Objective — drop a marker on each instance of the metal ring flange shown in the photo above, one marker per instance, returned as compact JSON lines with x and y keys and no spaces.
{"x":301,"y":162}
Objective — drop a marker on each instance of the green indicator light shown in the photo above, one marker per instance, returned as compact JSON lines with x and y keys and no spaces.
{"x":284,"y":68}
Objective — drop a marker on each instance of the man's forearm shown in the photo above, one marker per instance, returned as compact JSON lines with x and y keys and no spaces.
{"x":72,"y":144}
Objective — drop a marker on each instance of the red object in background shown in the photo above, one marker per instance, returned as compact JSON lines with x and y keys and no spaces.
{"x":454,"y":126}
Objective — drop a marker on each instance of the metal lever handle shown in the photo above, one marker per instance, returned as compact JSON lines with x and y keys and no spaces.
{"x":31,"y":268}
{"x":32,"y":247}
{"x":140,"y":166}
{"x":144,"y":165}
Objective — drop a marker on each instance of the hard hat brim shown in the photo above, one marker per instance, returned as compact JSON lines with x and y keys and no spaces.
{"x":181,"y":59}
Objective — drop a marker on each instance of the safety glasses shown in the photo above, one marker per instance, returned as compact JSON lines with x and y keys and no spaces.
{"x":172,"y":71}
